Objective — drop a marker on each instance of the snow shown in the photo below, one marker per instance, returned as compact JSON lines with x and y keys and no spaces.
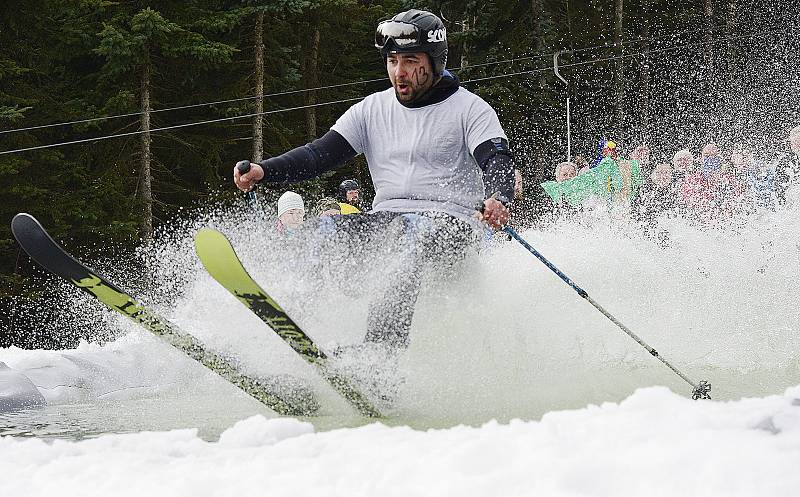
{"x":134,"y":365}
{"x":653,"y":443}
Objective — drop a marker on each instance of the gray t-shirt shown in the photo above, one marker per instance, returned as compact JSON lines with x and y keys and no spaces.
{"x":420,"y":159}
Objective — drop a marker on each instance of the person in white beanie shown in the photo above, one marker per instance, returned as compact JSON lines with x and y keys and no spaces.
{"x":291,"y":212}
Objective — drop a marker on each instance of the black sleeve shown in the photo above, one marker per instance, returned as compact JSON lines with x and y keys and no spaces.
{"x":309,"y":161}
{"x":495,"y":160}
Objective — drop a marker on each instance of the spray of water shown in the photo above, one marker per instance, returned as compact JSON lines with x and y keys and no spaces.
{"x":497,"y":336}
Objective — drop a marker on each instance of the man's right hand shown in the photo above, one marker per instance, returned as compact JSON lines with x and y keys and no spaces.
{"x":246,"y":182}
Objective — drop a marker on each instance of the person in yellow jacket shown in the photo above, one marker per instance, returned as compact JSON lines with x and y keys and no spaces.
{"x":350,"y":197}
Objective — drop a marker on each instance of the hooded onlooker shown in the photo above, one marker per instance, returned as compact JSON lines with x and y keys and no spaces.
{"x":657,"y":197}
{"x":606,"y":148}
{"x":327,"y":206}
{"x":350,"y":201}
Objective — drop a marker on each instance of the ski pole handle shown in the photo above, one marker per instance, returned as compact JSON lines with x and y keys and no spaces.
{"x":243,"y":166}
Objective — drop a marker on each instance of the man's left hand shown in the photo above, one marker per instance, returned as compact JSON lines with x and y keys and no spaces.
{"x":495,"y":214}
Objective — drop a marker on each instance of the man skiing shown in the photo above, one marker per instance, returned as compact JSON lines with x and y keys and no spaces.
{"x":434,"y":151}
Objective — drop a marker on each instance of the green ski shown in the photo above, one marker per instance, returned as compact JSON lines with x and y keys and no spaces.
{"x":220,"y":259}
{"x":35,"y":240}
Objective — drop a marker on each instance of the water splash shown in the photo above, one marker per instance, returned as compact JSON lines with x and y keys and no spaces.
{"x":499,"y":336}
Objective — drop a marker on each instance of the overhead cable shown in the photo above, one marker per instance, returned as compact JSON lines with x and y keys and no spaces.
{"x":185,"y":125}
{"x":539,"y":55}
{"x":474,"y":80}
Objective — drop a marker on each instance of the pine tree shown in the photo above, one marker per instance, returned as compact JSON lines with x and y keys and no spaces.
{"x":132,"y":46}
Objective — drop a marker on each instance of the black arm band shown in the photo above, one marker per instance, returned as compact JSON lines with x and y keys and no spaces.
{"x":309,"y":161}
{"x":495,"y":160}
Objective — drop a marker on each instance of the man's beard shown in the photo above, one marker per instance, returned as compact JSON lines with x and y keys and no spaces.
{"x":414,"y":95}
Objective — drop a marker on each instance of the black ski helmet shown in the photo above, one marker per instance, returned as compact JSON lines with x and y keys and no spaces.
{"x":346,"y":186}
{"x":414,"y":31}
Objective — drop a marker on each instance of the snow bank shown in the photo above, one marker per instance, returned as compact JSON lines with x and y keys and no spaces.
{"x":653,"y":443}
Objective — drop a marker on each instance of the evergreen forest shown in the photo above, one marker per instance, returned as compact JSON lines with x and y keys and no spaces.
{"x":116,"y":117}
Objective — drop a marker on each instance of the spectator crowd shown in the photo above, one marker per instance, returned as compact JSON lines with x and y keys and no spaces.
{"x":709,"y":186}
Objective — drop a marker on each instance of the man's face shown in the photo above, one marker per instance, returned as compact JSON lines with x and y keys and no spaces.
{"x":566,"y":172}
{"x":411,"y":75}
{"x":741,"y":159}
{"x":737,"y":159}
{"x":662,"y":175}
{"x":710,"y":150}
{"x":352,"y":196}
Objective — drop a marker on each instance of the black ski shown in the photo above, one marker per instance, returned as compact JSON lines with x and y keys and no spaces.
{"x":43,"y":249}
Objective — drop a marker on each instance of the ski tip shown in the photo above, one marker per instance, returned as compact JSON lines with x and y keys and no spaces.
{"x":23,"y":225}
{"x":206,"y":237}
{"x":209,"y":245}
{"x":21,"y":219}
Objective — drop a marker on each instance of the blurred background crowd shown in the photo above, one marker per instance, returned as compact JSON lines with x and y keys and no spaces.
{"x":710,"y":186}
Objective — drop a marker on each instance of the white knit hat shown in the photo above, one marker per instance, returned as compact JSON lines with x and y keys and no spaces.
{"x":290,"y":200}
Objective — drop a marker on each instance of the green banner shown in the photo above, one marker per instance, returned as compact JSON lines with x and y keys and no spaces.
{"x":603,"y":181}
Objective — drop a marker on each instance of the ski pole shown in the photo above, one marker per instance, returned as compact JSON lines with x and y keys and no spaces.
{"x":701,"y":390}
